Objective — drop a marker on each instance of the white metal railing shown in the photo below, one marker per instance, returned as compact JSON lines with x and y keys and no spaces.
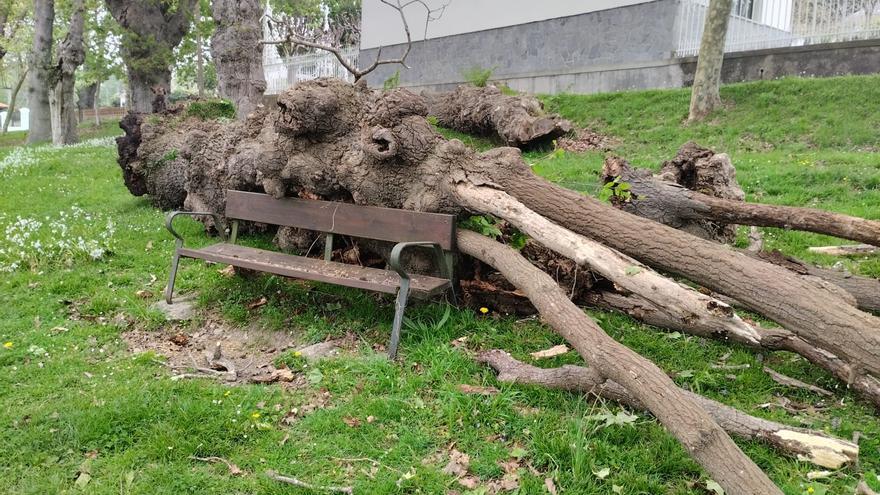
{"x":281,"y":73}
{"x":757,"y":24}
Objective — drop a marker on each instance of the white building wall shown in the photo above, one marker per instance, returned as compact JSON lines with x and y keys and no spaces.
{"x":381,"y":24}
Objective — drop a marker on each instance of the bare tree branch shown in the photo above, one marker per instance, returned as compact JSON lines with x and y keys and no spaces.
{"x":432,"y":14}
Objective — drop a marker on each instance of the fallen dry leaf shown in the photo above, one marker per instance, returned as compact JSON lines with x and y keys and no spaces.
{"x":458,"y":464}
{"x":469,"y":482}
{"x":556,"y":350}
{"x":550,"y":485}
{"x":179,"y":339}
{"x":256,"y":304}
{"x":477,"y":389}
{"x":351,"y":421}
{"x":144,"y":294}
{"x":227,"y":272}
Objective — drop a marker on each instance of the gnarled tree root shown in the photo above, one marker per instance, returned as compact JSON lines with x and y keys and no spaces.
{"x":808,"y":445}
{"x":682,"y":416}
{"x":518,"y":120}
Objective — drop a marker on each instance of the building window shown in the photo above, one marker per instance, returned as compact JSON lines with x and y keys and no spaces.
{"x":743,"y":8}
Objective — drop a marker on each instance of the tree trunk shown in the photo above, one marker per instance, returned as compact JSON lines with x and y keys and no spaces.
{"x":516,"y":120}
{"x":809,"y":445}
{"x":71,"y":55}
{"x":680,"y":414}
{"x":96,"y":104}
{"x":151,"y":31}
{"x":238,"y":53}
{"x":200,"y":65}
{"x":13,"y":99}
{"x":681,"y":207}
{"x":39,"y":75}
{"x":705,"y":96}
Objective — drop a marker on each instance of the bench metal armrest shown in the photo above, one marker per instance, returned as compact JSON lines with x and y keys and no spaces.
{"x":169,"y":223}
{"x":438,"y":253}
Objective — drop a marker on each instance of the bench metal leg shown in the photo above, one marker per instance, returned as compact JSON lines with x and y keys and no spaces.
{"x":169,"y":289}
{"x":399,"y":307}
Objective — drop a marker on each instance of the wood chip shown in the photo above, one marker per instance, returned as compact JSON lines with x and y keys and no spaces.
{"x":256,"y":304}
{"x":556,"y":350}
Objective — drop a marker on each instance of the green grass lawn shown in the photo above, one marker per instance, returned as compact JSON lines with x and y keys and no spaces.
{"x":74,"y":399}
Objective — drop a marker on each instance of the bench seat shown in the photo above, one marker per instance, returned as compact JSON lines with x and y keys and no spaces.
{"x":315,"y":269}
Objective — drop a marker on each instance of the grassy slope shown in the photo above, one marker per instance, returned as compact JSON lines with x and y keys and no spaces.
{"x":86,"y":393}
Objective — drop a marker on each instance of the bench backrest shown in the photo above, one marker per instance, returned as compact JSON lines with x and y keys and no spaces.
{"x":372,"y":222}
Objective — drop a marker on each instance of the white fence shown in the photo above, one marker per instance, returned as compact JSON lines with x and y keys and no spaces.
{"x":282,"y":73}
{"x":757,"y":24}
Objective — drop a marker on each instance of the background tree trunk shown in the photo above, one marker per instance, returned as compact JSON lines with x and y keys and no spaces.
{"x":85,"y":98}
{"x":707,"y":79}
{"x":200,"y":65}
{"x":39,"y":75}
{"x":96,"y":103}
{"x":151,"y":31}
{"x":13,"y":98}
{"x":71,"y":55}
{"x":238,"y":53}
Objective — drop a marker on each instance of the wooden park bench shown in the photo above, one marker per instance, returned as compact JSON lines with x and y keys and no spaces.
{"x":407,"y":228}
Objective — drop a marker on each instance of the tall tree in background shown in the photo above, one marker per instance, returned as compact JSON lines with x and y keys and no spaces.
{"x":193,"y":62}
{"x":102,"y":60}
{"x":705,"y":96}
{"x":62,"y":97}
{"x":40,"y":72}
{"x":13,"y":14}
{"x":150,"y":32}
{"x":238,"y":53}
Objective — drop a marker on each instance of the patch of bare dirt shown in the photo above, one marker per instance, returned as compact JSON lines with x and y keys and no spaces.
{"x":228,"y":354}
{"x":582,"y":140}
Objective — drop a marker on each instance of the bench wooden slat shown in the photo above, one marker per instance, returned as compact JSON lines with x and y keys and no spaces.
{"x":372,"y":222}
{"x":314,"y":269}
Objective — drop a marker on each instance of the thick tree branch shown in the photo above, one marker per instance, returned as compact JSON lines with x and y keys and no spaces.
{"x":687,"y":421}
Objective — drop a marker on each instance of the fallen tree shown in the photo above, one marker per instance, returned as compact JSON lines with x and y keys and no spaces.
{"x":808,"y":445}
{"x":674,"y":198}
{"x":517,"y":120}
{"x":345,"y":142}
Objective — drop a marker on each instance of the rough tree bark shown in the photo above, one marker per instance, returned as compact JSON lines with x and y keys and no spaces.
{"x":13,"y":98}
{"x":151,"y":30}
{"x":62,"y":99}
{"x":39,"y":73}
{"x":237,"y":51}
{"x":668,"y":199}
{"x":808,"y":445}
{"x":680,"y":414}
{"x":707,"y":79}
{"x":517,"y":120}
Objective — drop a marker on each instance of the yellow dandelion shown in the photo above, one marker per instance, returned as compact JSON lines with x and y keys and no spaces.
{"x":255,"y":415}
{"x":484,"y":310}
{"x":8,"y":345}
{"x":297,"y":354}
{"x":810,"y":489}
{"x":226,"y":394}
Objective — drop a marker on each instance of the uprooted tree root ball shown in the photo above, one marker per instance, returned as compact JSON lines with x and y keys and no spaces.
{"x":344,"y":142}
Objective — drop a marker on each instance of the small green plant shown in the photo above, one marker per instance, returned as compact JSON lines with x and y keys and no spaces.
{"x":518,"y":240}
{"x":477,"y":76}
{"x":616,"y":190}
{"x":392,"y":82}
{"x":429,"y":326}
{"x":507,"y":90}
{"x":211,"y":109}
{"x":432,"y":119}
{"x":483,"y":225}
